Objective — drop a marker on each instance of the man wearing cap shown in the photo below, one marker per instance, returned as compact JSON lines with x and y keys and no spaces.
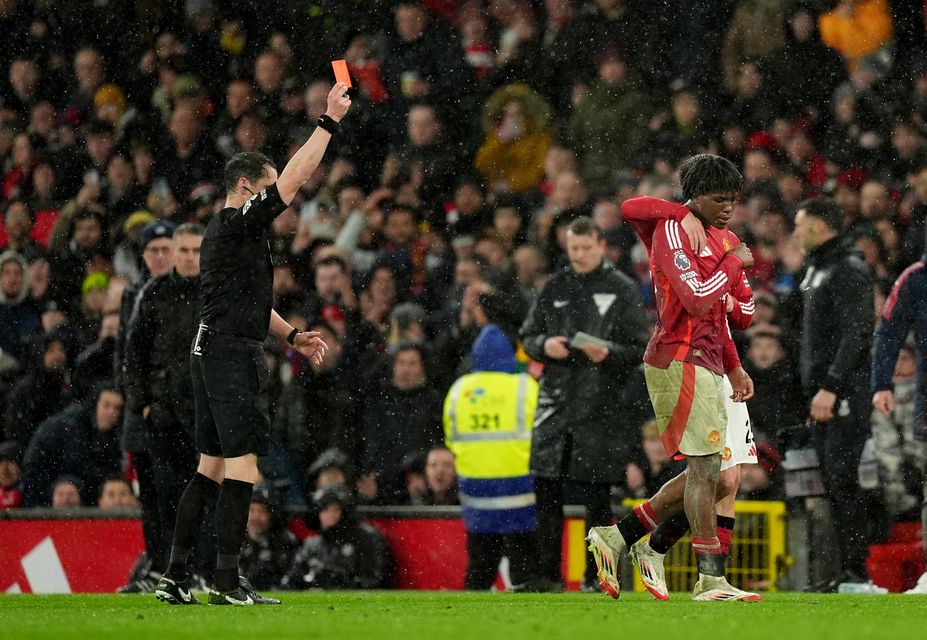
{"x":228,"y":361}
{"x":157,"y":249}
{"x":157,"y":376}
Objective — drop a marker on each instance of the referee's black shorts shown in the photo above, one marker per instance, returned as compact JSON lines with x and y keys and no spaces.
{"x":229,"y":379}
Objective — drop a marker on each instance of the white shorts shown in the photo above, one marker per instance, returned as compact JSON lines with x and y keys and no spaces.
{"x":739,"y":447}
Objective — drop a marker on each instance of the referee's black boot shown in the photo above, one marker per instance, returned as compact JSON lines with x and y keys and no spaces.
{"x":247,"y":588}
{"x":174,"y":591}
{"x":236,"y":597}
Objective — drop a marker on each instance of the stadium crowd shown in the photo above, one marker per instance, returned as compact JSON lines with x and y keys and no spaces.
{"x":480,"y":130}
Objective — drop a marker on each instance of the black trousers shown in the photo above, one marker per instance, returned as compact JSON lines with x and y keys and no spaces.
{"x":551,"y":494}
{"x":484,"y":552}
{"x":839,"y":443}
{"x":173,"y":463}
{"x":148,"y":500}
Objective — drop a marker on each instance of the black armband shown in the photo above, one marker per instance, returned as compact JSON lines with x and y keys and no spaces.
{"x":292,"y":337}
{"x":328,"y":123}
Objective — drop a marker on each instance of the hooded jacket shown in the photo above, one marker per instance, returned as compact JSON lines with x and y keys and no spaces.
{"x":19,"y":316}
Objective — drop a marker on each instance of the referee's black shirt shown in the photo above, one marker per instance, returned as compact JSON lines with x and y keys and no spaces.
{"x":236,"y":273}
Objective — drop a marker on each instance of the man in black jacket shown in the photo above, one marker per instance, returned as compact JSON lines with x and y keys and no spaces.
{"x":836,"y":337}
{"x":157,"y":259}
{"x":579,"y":436}
{"x":157,"y":377}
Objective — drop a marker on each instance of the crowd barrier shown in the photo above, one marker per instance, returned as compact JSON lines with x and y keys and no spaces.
{"x":92,"y":551}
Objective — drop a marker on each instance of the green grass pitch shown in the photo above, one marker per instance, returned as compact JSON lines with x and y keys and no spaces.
{"x":462,"y":616}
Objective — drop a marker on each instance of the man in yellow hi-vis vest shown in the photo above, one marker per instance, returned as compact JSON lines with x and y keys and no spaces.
{"x":488,"y":415}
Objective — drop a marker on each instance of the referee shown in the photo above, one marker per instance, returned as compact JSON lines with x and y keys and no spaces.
{"x":227,"y":357}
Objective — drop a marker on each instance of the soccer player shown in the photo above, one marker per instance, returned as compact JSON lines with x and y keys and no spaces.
{"x":227,"y":357}
{"x":740,"y":448}
{"x":684,"y":363}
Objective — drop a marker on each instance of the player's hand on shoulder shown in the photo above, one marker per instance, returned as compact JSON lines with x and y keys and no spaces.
{"x":694,"y":228}
{"x":338,"y":102}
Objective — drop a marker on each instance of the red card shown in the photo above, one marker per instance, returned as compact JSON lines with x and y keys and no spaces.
{"x":341,"y":72}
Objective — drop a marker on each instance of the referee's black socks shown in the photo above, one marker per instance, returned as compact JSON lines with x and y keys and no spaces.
{"x":197,"y":498}
{"x":231,"y":523}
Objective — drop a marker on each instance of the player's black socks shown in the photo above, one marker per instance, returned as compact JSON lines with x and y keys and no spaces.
{"x":231,"y":523}
{"x":708,"y":556}
{"x":197,"y":498}
{"x":669,"y":532}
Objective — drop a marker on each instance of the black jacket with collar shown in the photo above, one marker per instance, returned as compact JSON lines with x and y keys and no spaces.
{"x":582,"y":408}
{"x":157,"y":353}
{"x":837,"y":321}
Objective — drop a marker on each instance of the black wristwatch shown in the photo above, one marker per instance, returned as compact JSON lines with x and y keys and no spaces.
{"x":328,"y":123}
{"x":292,"y":337}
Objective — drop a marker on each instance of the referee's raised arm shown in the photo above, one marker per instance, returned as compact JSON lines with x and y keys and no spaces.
{"x":304,"y":163}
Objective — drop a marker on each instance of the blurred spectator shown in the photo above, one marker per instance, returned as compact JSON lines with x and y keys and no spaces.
{"x":19,"y":314}
{"x":777,"y":401}
{"x":116,"y":493}
{"x":319,"y":409}
{"x":82,"y":440}
{"x":645,"y":480}
{"x":403,"y":415}
{"x":189,"y":156}
{"x":515,"y":121}
{"x":804,"y":71}
{"x":423,"y":61}
{"x":346,"y":554}
{"x":857,"y":28}
{"x":437,"y":485}
{"x":65,"y":493}
{"x":94,"y":364}
{"x":40,"y":392}
{"x":18,"y":220}
{"x":675,"y":134}
{"x":330,"y":468}
{"x":89,"y":73}
{"x":427,"y":155}
{"x":755,"y":31}
{"x":267,"y":555}
{"x":68,"y":261}
{"x":85,"y":322}
{"x":611,"y":121}
{"x":11,"y":494}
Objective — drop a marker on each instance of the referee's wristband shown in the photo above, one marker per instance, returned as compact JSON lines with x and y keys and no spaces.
{"x":328,"y":123}
{"x":292,"y":337}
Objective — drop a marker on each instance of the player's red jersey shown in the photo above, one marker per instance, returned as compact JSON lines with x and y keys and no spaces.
{"x":689,"y":290}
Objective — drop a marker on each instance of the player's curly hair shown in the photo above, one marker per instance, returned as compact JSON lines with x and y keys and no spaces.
{"x":706,"y":173}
